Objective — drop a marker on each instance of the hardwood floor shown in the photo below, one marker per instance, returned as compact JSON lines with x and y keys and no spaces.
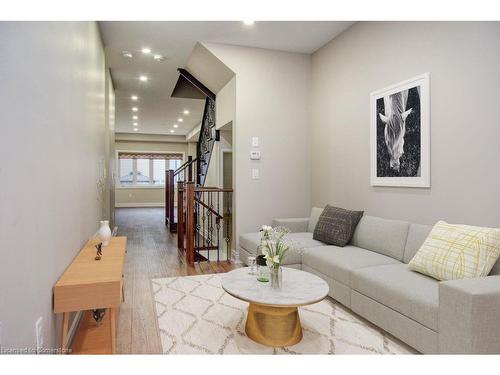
{"x":152,"y":253}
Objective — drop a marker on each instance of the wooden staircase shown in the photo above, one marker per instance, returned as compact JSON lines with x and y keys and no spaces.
{"x":203,"y":220}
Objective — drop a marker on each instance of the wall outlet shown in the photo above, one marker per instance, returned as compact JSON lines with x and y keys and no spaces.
{"x":130,"y":195}
{"x":255,"y":173}
{"x":39,"y":334}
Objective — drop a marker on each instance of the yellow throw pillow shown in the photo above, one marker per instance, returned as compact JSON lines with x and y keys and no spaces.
{"x":457,"y":251}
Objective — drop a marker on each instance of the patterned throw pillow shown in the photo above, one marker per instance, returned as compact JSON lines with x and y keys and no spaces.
{"x":457,"y":251}
{"x":336,"y":225}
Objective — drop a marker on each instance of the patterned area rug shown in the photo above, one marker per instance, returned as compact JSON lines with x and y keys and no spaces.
{"x":196,"y":316}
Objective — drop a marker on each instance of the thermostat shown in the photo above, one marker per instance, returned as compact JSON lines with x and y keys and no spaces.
{"x":255,"y":155}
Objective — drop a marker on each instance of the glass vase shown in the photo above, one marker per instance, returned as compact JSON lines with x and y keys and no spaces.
{"x":276,"y":276}
{"x":263,"y":274}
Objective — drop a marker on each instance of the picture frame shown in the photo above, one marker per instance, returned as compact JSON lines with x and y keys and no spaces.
{"x":400,"y":134}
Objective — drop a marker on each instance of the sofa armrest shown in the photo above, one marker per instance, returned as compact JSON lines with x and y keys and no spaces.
{"x":469,"y":315}
{"x":295,"y":224}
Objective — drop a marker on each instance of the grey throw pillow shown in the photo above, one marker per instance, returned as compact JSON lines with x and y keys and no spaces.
{"x":336,"y":225}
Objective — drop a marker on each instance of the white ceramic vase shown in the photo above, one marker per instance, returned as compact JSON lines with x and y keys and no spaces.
{"x":104,"y":233}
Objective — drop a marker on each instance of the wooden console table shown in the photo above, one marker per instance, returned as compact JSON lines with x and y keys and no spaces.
{"x":88,"y":284}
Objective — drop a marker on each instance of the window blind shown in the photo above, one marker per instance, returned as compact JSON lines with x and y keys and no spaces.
{"x":149,"y":155}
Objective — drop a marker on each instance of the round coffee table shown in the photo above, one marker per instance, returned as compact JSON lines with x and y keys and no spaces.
{"x":273,"y":317}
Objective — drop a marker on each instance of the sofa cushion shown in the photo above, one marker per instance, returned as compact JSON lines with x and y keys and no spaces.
{"x":417,"y":233}
{"x":336,"y":225}
{"x":453,"y":251}
{"x":250,"y":242}
{"x":397,"y":287}
{"x":387,"y":237}
{"x":338,"y":262}
{"x":313,"y":220}
{"x":299,"y":241}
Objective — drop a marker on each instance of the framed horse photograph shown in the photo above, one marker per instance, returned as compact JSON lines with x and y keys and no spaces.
{"x":400,"y":134}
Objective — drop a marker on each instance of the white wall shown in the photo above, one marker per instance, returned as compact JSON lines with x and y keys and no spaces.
{"x":272,"y":102}
{"x":213,"y":174}
{"x":225,"y":108}
{"x":109,"y":196}
{"x":463,"y":60}
{"x":53,"y":123}
{"x":226,"y":104}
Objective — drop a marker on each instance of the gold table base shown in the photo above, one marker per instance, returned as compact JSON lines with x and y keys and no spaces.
{"x":273,"y":326}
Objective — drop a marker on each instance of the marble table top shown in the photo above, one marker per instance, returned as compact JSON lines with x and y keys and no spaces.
{"x":298,"y":288}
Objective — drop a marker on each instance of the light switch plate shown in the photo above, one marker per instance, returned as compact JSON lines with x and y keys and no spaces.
{"x":255,"y":155}
{"x":255,"y":141}
{"x":255,"y":173}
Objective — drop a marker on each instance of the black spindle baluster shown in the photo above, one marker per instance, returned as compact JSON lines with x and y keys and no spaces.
{"x":218,"y":226}
{"x":203,"y":221}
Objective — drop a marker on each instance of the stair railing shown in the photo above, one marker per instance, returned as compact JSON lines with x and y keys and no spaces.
{"x":206,"y":232}
{"x":208,"y":136}
{"x":204,"y":214}
{"x":186,"y":170}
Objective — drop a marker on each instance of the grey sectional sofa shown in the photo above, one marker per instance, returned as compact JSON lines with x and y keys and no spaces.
{"x":370,"y":276}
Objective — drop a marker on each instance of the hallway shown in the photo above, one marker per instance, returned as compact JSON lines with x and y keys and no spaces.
{"x":152,"y":253}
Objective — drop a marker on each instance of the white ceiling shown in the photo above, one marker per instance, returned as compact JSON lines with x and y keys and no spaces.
{"x":175,"y":41}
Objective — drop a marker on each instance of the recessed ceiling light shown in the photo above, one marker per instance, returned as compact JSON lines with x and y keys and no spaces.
{"x":180,"y":119}
{"x":135,"y":117}
{"x":135,"y":109}
{"x":146,"y":50}
{"x":127,"y":54}
{"x":158,"y":57}
{"x":135,"y":129}
{"x":143,"y":78}
{"x":249,"y":23}
{"x":186,"y":112}
{"x":135,"y":124}
{"x":172,"y":131}
{"x":134,"y":97}
{"x":176,"y":126}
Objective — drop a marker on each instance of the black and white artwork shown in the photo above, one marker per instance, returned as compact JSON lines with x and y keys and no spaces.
{"x":400,"y":134}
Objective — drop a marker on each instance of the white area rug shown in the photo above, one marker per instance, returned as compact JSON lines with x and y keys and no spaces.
{"x":196,"y":316}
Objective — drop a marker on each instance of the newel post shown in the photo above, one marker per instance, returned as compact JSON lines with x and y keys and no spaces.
{"x":169,"y":200}
{"x":167,"y":184}
{"x":189,"y":189}
{"x":180,"y":215}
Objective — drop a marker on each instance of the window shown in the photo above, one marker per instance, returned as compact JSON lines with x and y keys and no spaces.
{"x":141,"y":169}
{"x":142,"y":175}
{"x":126,"y":172}
{"x":159,"y":171}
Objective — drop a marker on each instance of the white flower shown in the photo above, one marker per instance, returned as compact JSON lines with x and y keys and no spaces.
{"x":270,"y":244}
{"x":275,"y":259}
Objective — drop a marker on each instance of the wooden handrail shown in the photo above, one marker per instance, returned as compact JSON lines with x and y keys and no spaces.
{"x":197,"y":84}
{"x":213,"y":189}
{"x":209,"y":189}
{"x":188,"y":163}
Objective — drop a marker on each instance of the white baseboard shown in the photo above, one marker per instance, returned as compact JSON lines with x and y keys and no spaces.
{"x":147,"y":204}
